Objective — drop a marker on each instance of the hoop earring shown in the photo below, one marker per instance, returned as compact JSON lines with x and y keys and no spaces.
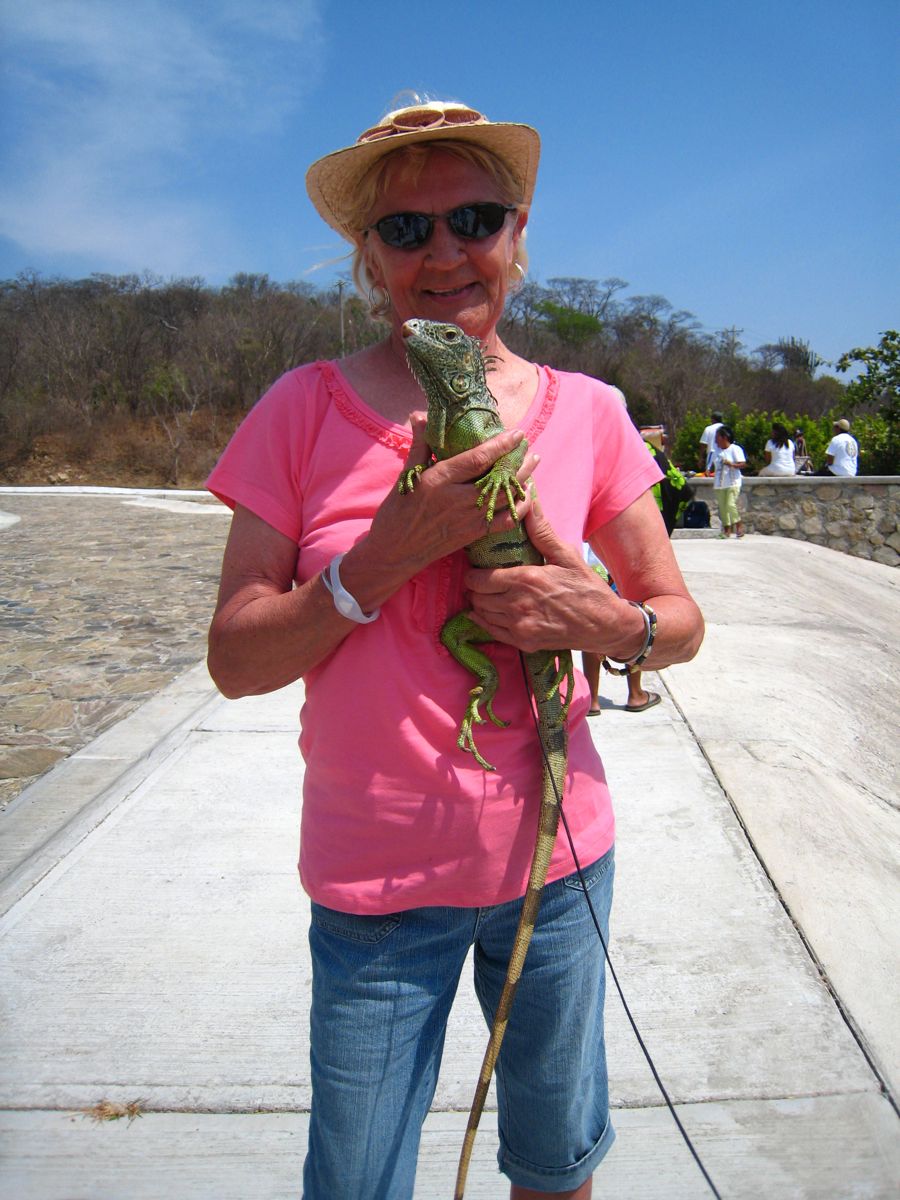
{"x":515,"y":284}
{"x":379,"y":299}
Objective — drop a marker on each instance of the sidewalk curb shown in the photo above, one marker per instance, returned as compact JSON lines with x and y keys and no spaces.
{"x":77,"y":489}
{"x":49,"y":818}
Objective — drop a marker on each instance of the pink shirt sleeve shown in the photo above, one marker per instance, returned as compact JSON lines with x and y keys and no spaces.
{"x":260,"y":468}
{"x":623,"y":467}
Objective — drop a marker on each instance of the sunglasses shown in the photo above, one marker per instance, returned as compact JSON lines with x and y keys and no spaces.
{"x":410,"y":230}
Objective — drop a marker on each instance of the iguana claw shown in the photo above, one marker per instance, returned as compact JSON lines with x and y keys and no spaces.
{"x":502,"y":475}
{"x":466,"y":739}
{"x":564,"y":671}
{"x":409,"y":479}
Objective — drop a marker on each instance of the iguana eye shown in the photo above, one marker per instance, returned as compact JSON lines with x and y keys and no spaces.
{"x":451,"y":334}
{"x":460,"y":384}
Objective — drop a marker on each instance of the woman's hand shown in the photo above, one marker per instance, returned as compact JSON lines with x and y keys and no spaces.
{"x":560,"y":605}
{"x":265,"y":633}
{"x":565,"y":605}
{"x":439,"y":515}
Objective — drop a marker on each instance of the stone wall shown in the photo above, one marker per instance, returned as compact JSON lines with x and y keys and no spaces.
{"x":858,"y":516}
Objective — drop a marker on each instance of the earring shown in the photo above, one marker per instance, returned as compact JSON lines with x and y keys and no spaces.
{"x":515,"y":284}
{"x":379,"y":299}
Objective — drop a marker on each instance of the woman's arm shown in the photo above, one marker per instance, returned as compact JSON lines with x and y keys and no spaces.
{"x":564,"y":603}
{"x":265,"y":633}
{"x":639,"y":556}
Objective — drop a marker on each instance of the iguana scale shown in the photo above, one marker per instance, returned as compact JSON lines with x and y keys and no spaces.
{"x":462,"y":414}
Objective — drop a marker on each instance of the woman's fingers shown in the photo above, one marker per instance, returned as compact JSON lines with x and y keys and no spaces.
{"x":471,"y":464}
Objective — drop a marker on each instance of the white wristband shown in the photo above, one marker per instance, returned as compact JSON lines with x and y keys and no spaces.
{"x":343,"y":601}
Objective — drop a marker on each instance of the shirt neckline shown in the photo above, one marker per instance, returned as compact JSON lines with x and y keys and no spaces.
{"x":355,"y":409}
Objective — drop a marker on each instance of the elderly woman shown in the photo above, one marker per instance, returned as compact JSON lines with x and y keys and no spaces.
{"x":410,"y":852}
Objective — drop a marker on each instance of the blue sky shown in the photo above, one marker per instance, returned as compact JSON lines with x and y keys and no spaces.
{"x":739,"y":159}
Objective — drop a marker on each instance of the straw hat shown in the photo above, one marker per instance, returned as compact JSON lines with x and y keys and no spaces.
{"x":332,"y":181}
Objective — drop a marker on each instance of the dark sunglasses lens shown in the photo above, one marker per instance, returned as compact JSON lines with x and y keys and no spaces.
{"x":407,"y":231}
{"x":477,"y":221}
{"x":404,"y":230}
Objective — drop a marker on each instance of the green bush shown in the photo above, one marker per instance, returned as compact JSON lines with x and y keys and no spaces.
{"x":752,"y":430}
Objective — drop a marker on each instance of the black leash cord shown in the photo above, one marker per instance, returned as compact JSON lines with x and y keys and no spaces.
{"x":612,"y":970}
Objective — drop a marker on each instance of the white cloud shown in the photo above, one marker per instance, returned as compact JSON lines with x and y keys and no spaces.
{"x":110,"y":103}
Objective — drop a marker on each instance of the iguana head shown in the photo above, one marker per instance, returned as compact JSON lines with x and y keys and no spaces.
{"x":449,"y":367}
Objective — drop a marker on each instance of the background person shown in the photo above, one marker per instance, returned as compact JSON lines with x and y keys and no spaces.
{"x":672,"y":495}
{"x":842,"y":451}
{"x":708,"y":448}
{"x":779,"y":452}
{"x":638,"y":700}
{"x":727,"y":484}
{"x":802,"y":457}
{"x":409,"y":851}
{"x":591,"y":663}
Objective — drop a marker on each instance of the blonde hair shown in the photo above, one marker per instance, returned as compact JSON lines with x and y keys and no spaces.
{"x":411,"y":161}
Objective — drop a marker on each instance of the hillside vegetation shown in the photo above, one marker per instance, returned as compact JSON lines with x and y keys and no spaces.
{"x":138,"y":380}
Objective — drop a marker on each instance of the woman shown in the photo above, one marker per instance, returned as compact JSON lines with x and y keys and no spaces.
{"x":727,"y":483}
{"x":410,"y":852}
{"x":779,"y":452}
{"x":802,"y":459}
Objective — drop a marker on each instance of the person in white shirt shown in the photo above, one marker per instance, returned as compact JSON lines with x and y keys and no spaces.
{"x":727,"y":483}
{"x":779,"y":453}
{"x":841,"y":452}
{"x":709,"y":451}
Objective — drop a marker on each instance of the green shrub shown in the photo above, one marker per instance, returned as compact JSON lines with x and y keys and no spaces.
{"x":753,"y":429}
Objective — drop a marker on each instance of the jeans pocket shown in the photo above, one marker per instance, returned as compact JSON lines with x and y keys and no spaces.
{"x":592,"y":874}
{"x":354,"y":926}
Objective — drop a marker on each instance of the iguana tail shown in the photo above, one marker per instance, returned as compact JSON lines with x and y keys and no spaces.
{"x":546,"y":677}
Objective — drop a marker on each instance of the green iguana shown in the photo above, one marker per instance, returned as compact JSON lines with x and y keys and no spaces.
{"x":462,"y":413}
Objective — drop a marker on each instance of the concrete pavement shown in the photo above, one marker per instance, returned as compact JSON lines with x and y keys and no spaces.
{"x":104,"y":599}
{"x":153,"y":944}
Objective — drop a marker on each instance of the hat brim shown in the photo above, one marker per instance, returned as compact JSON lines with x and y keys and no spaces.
{"x":330,"y":180}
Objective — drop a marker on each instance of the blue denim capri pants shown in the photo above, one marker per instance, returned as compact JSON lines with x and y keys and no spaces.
{"x":382,"y":991}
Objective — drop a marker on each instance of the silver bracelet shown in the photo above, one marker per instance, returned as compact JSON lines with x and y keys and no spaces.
{"x":346,"y":605}
{"x":632,"y":664}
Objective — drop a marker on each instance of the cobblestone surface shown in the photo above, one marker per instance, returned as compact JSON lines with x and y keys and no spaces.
{"x":103,"y":600}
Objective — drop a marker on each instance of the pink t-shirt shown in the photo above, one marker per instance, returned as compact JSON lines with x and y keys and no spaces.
{"x":395,"y":816}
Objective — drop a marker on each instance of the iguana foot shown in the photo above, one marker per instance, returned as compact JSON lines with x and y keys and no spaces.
{"x":564,"y":671}
{"x":409,"y":479}
{"x":466,"y":739}
{"x":502,"y":476}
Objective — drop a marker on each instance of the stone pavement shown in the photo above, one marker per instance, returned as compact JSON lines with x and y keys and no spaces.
{"x":104,"y":598}
{"x":153,"y":944}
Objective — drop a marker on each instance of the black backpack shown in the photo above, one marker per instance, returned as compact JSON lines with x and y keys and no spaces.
{"x":696,"y":515}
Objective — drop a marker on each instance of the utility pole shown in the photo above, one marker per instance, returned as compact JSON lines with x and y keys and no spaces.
{"x":730,"y":340}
